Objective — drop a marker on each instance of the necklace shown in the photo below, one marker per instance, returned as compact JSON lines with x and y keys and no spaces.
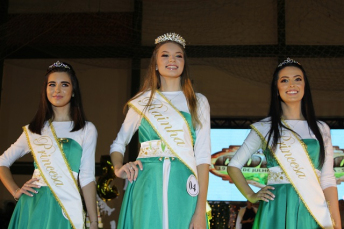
{"x":293,"y":123}
{"x":177,"y":94}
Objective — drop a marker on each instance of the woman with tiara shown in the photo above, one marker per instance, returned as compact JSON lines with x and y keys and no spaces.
{"x":301,"y":190}
{"x":169,"y":180}
{"x":62,"y":144}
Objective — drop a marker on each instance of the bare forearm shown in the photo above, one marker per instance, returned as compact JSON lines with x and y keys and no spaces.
{"x":89,"y":192}
{"x":7,"y":179}
{"x":117,"y":160}
{"x":203,"y":180}
{"x":331,"y":196}
{"x":240,"y":181}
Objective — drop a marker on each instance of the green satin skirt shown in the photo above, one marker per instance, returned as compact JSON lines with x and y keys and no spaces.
{"x":142,"y":206}
{"x":286,"y":211}
{"x":41,"y":211}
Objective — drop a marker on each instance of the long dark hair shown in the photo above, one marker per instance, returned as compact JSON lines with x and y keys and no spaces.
{"x":152,"y":82}
{"x":45,"y":110}
{"x":307,"y":109}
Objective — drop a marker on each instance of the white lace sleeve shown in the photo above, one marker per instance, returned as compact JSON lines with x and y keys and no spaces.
{"x":129,"y":127}
{"x":327,"y":178}
{"x":251,"y":144}
{"x":16,"y":151}
{"x":87,"y":168}
{"x":202,"y":144}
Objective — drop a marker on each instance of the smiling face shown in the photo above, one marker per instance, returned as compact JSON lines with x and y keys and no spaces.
{"x":291,"y":84}
{"x":59,"y":89}
{"x":170,"y":60}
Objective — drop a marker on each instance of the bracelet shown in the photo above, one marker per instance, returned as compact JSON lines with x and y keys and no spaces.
{"x":15,"y":194}
{"x":94,"y":221}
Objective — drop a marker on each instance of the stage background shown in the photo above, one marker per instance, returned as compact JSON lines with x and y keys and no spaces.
{"x":233,"y":48}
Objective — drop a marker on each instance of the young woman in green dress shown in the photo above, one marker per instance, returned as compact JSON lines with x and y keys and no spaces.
{"x":63,"y":145}
{"x":169,"y":180}
{"x":301,"y":191}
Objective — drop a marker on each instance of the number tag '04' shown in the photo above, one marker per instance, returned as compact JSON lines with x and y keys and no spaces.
{"x":192,"y":186}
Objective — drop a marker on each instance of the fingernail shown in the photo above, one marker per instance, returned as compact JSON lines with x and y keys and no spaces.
{"x":39,"y":186}
{"x":31,"y":194}
{"x":36,"y":191}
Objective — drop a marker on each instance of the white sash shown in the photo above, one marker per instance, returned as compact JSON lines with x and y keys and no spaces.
{"x":292,"y":156}
{"x":169,"y":124}
{"x":50,"y":159}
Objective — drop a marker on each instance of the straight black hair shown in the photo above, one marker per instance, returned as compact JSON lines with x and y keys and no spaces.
{"x":307,"y":109}
{"x":45,"y":111}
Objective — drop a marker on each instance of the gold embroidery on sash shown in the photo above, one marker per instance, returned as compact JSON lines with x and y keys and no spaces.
{"x":304,"y":148}
{"x":45,"y":180}
{"x":156,"y":109}
{"x":47,"y":143}
{"x":144,"y":116}
{"x":290,"y":180}
{"x":285,"y":142}
{"x":63,"y":153}
{"x":187,"y":124}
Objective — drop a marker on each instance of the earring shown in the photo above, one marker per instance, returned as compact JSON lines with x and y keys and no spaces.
{"x":73,"y":95}
{"x":156,"y":67}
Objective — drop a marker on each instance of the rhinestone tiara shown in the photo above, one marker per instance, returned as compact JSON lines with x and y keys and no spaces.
{"x":288,"y":61}
{"x":58,"y":64}
{"x":171,"y":37}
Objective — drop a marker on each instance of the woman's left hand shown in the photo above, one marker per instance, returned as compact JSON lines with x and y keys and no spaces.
{"x":198,"y":221}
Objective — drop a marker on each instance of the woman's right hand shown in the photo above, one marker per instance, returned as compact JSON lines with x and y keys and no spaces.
{"x":129,"y":170}
{"x":27,"y":189}
{"x":263,"y":194}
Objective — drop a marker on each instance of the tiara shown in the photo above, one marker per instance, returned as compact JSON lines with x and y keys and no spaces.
{"x":171,"y":37}
{"x":58,"y":64}
{"x":288,"y":61}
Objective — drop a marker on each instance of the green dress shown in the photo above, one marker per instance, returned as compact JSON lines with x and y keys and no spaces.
{"x":142,"y":206}
{"x":287,"y":210}
{"x":42,"y":210}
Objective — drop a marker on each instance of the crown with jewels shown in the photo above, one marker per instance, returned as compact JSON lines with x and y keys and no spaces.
{"x":171,"y":37}
{"x":58,"y":64}
{"x":288,"y":61}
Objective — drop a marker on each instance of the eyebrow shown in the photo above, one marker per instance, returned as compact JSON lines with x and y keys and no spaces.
{"x":289,"y":77}
{"x":61,"y":82}
{"x":169,"y":52}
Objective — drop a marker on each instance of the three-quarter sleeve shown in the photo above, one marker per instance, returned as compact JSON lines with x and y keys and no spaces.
{"x":16,"y":151}
{"x":87,"y":166}
{"x":251,"y":144}
{"x":128,"y":128}
{"x":202,"y":145}
{"x":327,"y":178}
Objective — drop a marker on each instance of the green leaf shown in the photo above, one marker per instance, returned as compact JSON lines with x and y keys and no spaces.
{"x":163,"y":146}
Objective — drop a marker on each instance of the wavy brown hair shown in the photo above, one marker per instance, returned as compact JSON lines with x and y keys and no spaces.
{"x":152,"y":83}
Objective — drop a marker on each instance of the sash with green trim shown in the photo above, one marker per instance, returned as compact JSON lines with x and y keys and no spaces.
{"x":292,"y":156}
{"x":56,"y":172}
{"x":169,"y":124}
